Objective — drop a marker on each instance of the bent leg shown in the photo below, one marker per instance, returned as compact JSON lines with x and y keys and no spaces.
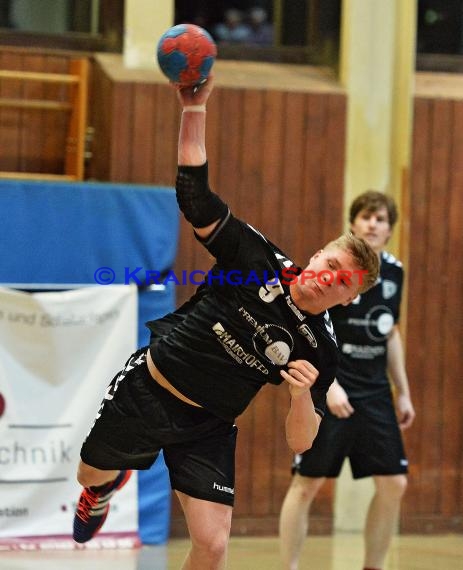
{"x":93,"y":504}
{"x":382,"y":517}
{"x":294,"y":521}
{"x":209,"y":527}
{"x":89,"y":476}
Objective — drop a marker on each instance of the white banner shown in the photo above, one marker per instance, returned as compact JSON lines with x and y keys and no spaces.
{"x":58,"y":353}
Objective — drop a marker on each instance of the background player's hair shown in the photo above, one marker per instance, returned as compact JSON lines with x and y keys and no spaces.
{"x":372,"y":200}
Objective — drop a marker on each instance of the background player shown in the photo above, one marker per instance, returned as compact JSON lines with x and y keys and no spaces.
{"x":360,"y":422}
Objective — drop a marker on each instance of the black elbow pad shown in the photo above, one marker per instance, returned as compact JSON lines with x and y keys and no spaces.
{"x":199,"y":205}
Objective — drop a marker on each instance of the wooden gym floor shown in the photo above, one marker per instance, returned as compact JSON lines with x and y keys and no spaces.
{"x":339,"y":552}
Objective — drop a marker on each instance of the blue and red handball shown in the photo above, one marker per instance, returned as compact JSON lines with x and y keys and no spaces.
{"x":186,"y":54}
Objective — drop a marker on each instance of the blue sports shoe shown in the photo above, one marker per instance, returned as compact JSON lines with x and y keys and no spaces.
{"x":93,"y":507}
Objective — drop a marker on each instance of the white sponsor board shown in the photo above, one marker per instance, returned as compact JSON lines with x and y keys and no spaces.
{"x":58,"y":353}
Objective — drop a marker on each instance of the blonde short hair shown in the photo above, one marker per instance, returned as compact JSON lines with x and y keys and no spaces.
{"x":364,"y":257}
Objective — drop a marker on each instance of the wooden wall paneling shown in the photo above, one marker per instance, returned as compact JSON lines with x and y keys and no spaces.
{"x":121,"y":132}
{"x":244,"y":474}
{"x":452,"y":393}
{"x":271,"y":143}
{"x":166,"y":126}
{"x":416,"y":318}
{"x":293,"y":159}
{"x":54,"y":122}
{"x":230,"y":141}
{"x":262,"y":459}
{"x":38,"y":107}
{"x":431,"y":453}
{"x":100,"y":104}
{"x":216,"y":124}
{"x":10,"y":119}
{"x":314,"y":175}
{"x":32,"y":131}
{"x":333,"y":167}
{"x":142,"y":148}
{"x":252,"y":154}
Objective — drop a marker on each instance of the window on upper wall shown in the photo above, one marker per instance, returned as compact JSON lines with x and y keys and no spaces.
{"x":292,"y":31}
{"x":440,"y":35}
{"x":89,"y":25}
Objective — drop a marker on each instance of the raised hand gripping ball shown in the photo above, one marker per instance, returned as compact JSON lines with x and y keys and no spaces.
{"x":186,"y":54}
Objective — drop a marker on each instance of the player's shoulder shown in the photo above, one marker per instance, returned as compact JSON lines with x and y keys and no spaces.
{"x":390,"y":263}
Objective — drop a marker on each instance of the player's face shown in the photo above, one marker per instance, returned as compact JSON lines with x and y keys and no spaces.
{"x":331,"y":278}
{"x":373,"y":227}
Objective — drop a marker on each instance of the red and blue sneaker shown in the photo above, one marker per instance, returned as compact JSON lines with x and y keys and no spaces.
{"x":93,"y":507}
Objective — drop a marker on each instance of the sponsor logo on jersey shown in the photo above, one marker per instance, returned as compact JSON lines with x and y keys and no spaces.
{"x":363,"y":352}
{"x":236,"y":351}
{"x":294,"y":309}
{"x":305,"y":331}
{"x":272,"y":341}
{"x":378,"y":322}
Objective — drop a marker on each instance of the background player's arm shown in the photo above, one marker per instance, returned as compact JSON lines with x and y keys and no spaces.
{"x":398,"y":375}
{"x":338,"y":401}
{"x":302,"y":421}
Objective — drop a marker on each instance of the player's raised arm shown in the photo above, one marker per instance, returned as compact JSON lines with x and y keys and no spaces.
{"x":201,"y":207}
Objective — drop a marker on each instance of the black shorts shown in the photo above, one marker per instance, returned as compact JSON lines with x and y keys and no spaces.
{"x":138,"y":418}
{"x":370,"y":438}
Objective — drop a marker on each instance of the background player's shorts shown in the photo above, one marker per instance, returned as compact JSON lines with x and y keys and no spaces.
{"x":138,"y":418}
{"x":370,"y":438}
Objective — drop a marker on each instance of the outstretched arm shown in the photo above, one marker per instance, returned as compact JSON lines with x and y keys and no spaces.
{"x":192,"y":137}
{"x":201,"y":207}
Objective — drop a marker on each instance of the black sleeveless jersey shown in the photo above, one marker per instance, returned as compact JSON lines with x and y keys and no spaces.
{"x":241,"y":328}
{"x":362,"y":329}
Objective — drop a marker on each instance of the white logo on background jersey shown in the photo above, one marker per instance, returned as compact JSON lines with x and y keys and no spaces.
{"x":379,"y":322}
{"x":389,"y":289}
{"x":385,"y":323}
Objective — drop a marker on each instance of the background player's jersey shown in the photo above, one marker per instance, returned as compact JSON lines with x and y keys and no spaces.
{"x":228,"y":341}
{"x":362,"y":329}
